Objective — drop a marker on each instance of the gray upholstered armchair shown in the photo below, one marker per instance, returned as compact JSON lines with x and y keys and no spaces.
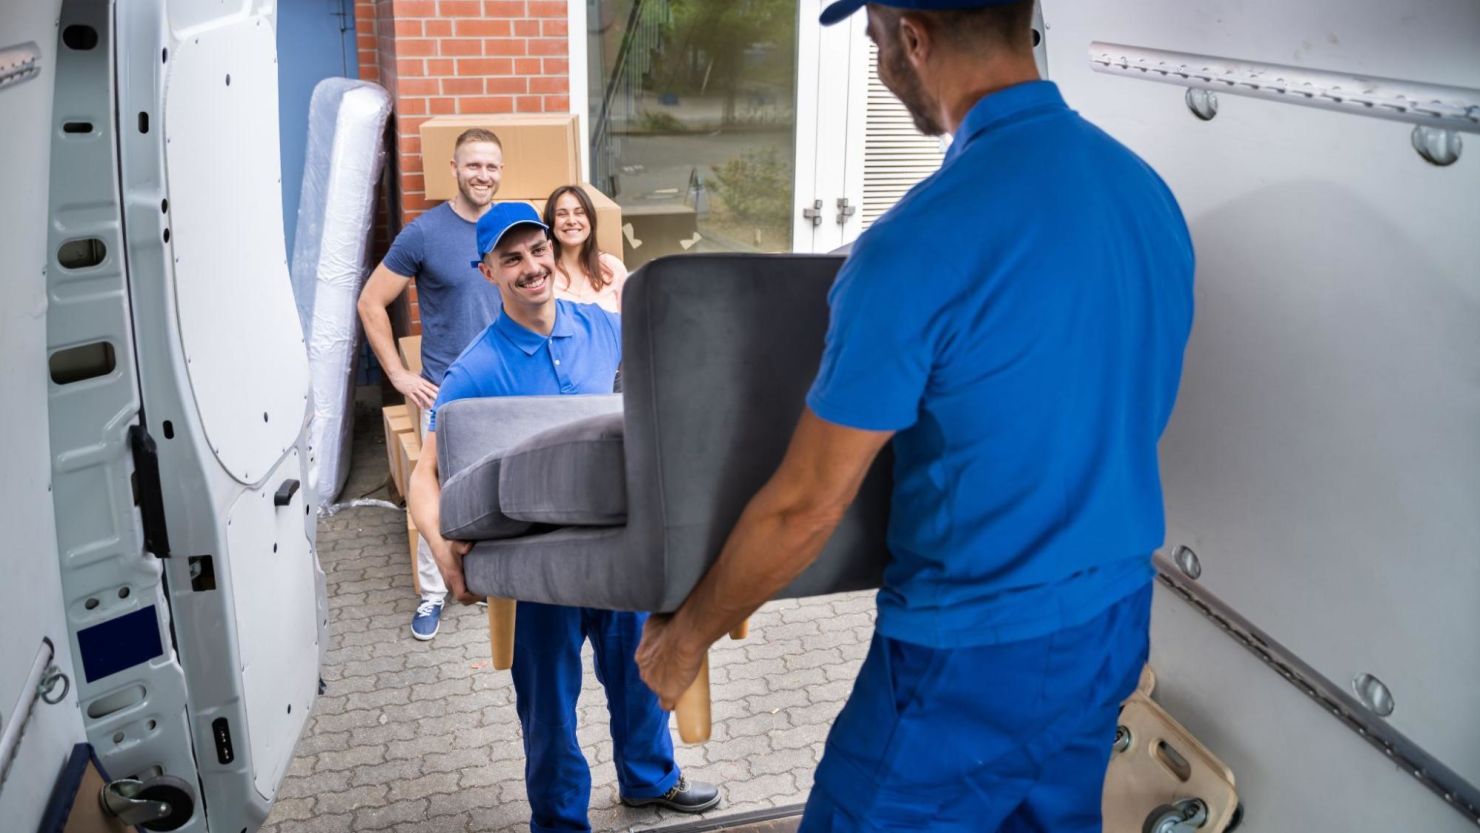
{"x":623,"y":501}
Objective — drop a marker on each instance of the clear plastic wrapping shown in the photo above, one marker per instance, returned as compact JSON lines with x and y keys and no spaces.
{"x":331,"y":260}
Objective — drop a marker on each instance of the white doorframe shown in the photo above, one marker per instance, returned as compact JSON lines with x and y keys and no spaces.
{"x":809,"y":79}
{"x":855,"y":59}
{"x":579,"y":71}
{"x":831,"y":88}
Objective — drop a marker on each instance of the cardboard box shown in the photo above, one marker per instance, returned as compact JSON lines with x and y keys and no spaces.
{"x":541,"y":153}
{"x":409,"y":450}
{"x":608,"y":219}
{"x":415,"y":413}
{"x":413,"y":537}
{"x":410,"y":349}
{"x":395,"y":422}
{"x":658,"y":230}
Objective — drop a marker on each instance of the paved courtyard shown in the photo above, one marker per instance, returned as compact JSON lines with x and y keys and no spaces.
{"x":414,"y":736}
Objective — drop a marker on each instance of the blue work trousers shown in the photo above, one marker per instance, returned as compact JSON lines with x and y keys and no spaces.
{"x":1013,"y":737}
{"x":547,"y":682}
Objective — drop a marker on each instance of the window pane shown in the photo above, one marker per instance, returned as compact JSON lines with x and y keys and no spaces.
{"x":693,"y":114}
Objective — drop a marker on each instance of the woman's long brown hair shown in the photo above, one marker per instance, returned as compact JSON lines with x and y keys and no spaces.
{"x":590,"y":256}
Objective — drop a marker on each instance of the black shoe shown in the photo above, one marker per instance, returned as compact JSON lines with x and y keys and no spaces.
{"x":685,"y":797}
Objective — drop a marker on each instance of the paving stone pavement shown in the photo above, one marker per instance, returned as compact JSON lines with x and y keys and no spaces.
{"x":421,"y":737}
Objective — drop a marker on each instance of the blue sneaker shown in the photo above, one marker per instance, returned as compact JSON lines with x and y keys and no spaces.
{"x":427,"y":620}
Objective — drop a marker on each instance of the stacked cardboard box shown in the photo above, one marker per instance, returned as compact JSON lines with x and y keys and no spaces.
{"x":403,"y":448}
{"x":658,"y":231}
{"x":403,"y":443}
{"x":409,"y":450}
{"x":410,"y":349}
{"x":413,"y":537}
{"x":396,"y":422}
{"x":541,"y":153}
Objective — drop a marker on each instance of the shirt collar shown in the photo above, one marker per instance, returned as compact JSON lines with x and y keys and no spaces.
{"x":528,"y":340}
{"x":1006,"y":104}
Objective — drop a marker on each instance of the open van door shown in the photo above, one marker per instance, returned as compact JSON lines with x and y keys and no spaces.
{"x":175,"y":404}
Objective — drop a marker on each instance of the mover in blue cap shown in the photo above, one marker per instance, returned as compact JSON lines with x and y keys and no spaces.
{"x":1024,"y":373}
{"x":541,"y":346}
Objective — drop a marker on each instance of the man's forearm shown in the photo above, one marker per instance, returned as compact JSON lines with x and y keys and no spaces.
{"x":423,"y":501}
{"x":377,"y":324}
{"x":772,"y":543}
{"x":782,"y":530}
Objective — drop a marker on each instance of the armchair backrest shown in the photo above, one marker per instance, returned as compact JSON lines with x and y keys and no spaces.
{"x":718,"y":353}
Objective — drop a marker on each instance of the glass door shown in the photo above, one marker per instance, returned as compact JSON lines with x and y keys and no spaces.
{"x":693,"y":121}
{"x":742,"y":126}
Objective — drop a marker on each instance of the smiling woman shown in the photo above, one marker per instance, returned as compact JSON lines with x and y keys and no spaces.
{"x":585,"y":274}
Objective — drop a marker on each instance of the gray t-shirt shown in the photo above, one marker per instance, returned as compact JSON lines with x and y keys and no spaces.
{"x":457,"y":303}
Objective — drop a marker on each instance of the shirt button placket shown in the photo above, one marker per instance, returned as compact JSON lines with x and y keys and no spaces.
{"x":560,"y":374}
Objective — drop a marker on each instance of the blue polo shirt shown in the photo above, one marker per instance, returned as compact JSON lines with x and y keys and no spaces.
{"x":581,"y":355}
{"x":1019,"y":319}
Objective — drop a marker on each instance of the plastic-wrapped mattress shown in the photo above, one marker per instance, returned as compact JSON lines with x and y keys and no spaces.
{"x":345,"y":154}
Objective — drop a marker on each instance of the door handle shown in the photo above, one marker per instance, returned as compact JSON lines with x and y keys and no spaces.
{"x":285,"y":493}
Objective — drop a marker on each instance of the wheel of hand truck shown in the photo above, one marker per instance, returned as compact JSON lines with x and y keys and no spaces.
{"x":1183,"y":817}
{"x":172,"y":791}
{"x":1160,"y":819}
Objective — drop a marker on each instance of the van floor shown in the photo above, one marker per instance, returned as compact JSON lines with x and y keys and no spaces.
{"x":782,"y":820}
{"x":422,"y":736}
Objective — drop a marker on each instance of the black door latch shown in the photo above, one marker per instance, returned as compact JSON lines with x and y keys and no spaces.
{"x":150,"y":495}
{"x":285,"y":493}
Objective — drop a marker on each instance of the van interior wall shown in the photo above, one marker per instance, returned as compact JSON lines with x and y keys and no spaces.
{"x":1322,"y":462}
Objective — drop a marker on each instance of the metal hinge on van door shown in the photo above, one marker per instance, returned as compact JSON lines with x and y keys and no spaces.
{"x":147,"y":493}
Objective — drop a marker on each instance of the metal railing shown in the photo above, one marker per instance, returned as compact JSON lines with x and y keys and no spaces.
{"x":641,"y":39}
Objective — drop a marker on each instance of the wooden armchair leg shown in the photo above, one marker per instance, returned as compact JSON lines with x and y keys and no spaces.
{"x":501,"y":632}
{"x":741,"y":631}
{"x":693,"y":708}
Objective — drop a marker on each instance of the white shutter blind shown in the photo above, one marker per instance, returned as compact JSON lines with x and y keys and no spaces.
{"x":895,"y":155}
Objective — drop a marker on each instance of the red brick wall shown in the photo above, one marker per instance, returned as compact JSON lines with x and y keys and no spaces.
{"x":439,"y":57}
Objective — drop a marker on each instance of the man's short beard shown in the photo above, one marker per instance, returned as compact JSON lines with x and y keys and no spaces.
{"x":907,"y":87}
{"x":466,"y":190}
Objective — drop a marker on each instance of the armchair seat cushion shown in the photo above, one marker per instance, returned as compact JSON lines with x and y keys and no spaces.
{"x":470,"y":503}
{"x":473,"y":438}
{"x":571,"y":475}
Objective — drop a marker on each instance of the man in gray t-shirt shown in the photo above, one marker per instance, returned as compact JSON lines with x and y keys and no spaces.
{"x":456,"y":305}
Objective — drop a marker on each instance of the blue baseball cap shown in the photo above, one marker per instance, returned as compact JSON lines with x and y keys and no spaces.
{"x":498,"y":219}
{"x":842,"y":9}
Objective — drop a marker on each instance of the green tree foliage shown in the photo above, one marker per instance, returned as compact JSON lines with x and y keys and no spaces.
{"x":709,"y":39}
{"x":756,"y":187}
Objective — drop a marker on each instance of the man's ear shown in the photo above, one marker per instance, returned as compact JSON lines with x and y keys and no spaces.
{"x":487,"y":272}
{"x":916,"y":39}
